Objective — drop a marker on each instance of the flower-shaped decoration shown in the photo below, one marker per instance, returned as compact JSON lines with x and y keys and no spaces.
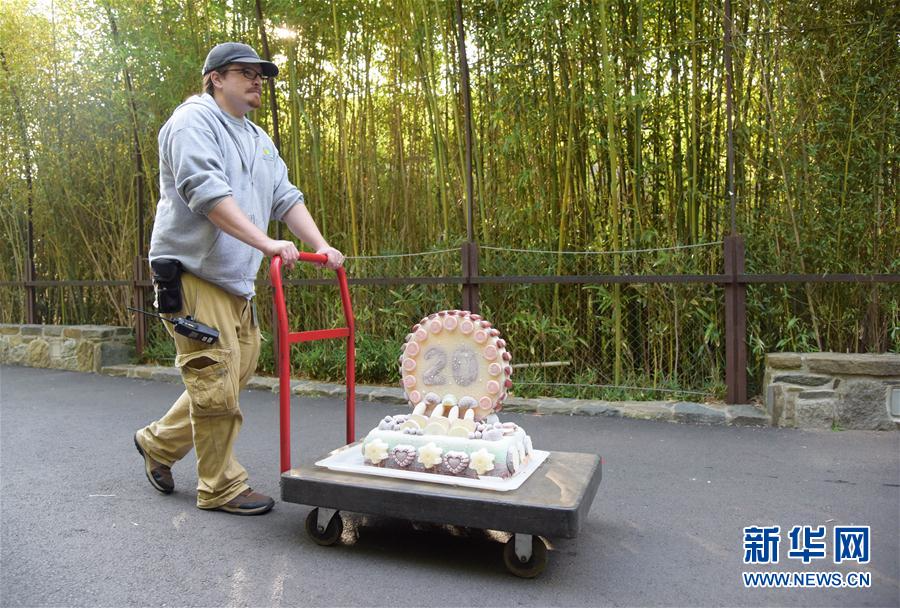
{"x":482,"y":461}
{"x":376,"y":451}
{"x":430,"y":455}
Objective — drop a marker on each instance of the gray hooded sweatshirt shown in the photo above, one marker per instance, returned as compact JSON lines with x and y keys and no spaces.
{"x":205,"y":155}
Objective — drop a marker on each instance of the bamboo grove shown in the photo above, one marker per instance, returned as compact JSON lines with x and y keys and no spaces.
{"x":598,"y":126}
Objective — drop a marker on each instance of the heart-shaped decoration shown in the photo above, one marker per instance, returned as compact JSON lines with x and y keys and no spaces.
{"x":456,"y":462}
{"x":403,"y":455}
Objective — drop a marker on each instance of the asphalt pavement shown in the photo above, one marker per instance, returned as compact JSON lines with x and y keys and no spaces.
{"x":81,"y":526}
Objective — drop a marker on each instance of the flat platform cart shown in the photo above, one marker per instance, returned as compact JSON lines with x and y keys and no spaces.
{"x":552,"y":502}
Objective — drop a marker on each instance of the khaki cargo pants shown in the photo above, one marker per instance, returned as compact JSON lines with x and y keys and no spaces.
{"x":207,"y":416}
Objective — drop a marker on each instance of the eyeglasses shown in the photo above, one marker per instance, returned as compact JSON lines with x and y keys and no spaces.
{"x":247,"y":73}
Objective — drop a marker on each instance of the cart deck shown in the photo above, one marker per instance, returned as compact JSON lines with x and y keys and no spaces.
{"x":552,"y":502}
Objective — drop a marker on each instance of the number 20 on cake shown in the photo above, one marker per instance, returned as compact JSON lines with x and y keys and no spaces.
{"x":456,"y":372}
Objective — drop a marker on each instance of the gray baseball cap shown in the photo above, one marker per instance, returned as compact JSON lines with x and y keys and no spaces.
{"x":236,"y":52}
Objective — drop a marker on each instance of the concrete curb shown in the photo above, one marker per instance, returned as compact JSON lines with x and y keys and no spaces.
{"x":671,"y":411}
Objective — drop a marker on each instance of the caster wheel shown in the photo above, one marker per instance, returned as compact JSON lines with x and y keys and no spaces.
{"x":533,"y":566}
{"x":330,"y":535}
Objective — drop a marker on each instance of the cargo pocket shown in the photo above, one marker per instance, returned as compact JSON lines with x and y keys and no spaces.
{"x":208,"y":381}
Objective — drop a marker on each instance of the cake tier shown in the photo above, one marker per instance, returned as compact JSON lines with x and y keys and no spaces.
{"x":446,"y":455}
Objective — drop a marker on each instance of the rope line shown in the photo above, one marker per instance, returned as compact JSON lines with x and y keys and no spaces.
{"x":637,"y":388}
{"x":600,"y":252}
{"x":396,"y":255}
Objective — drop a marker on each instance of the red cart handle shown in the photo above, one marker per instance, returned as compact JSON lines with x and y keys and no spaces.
{"x":286,"y":338}
{"x":315,"y":258}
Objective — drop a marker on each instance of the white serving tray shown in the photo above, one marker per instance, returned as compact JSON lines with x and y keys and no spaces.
{"x":349,"y":459}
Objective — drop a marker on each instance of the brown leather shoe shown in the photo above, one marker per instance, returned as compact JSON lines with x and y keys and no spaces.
{"x":158,"y":474}
{"x":248,"y":502}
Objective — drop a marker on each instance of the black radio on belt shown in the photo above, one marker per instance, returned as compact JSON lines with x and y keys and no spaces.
{"x":188,"y":327}
{"x":167,"y":283}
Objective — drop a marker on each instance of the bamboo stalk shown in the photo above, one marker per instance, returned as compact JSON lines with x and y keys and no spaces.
{"x":343,"y":143}
{"x":614,"y":185}
{"x":693,"y":211}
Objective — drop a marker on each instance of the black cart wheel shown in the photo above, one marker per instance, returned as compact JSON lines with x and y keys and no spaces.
{"x":534,"y":566}
{"x":332,"y":533}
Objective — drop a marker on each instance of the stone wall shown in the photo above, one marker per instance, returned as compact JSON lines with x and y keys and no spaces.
{"x":832,"y":390}
{"x":84,"y":348}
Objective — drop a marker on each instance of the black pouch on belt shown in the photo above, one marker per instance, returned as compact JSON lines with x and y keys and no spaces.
{"x":167,"y":281}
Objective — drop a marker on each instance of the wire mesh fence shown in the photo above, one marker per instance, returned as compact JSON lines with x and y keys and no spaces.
{"x":618,"y":341}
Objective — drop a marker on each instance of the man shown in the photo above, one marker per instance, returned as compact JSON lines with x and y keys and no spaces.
{"x":221,"y":180}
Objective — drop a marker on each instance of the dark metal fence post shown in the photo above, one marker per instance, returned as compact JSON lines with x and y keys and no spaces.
{"x":30,"y":299}
{"x":138,"y":301}
{"x":470,"y":296}
{"x":735,"y":322}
